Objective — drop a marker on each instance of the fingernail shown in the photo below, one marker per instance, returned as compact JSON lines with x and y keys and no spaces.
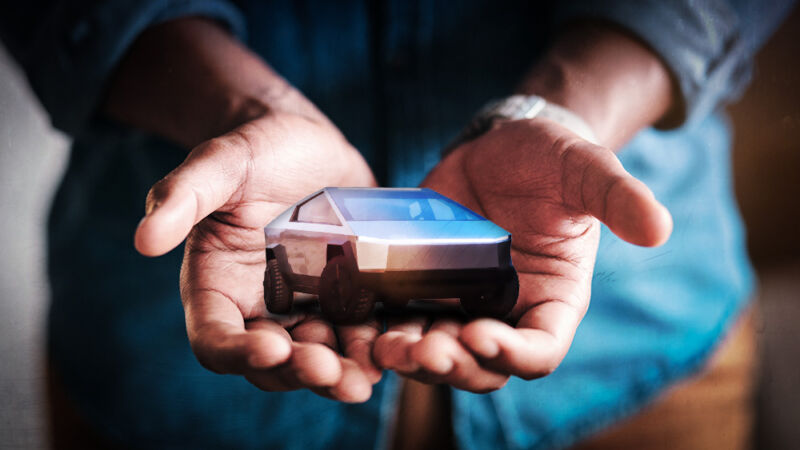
{"x":150,"y":207}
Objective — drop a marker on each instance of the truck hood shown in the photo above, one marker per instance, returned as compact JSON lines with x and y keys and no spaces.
{"x":421,"y":232}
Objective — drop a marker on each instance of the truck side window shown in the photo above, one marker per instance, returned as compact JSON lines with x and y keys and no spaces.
{"x":316,"y":210}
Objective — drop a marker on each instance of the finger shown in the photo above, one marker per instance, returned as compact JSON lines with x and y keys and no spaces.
{"x":442,"y":359}
{"x":274,"y":380}
{"x":310,"y":366}
{"x":437,"y":360}
{"x":532,"y":350}
{"x":595,"y":182}
{"x":353,"y":387}
{"x":449,"y":326}
{"x":357,"y":342}
{"x":391,"y":350}
{"x":220,"y":341}
{"x":315,"y":329}
{"x":203,"y":183}
{"x":315,"y":365}
{"x":409,"y":323}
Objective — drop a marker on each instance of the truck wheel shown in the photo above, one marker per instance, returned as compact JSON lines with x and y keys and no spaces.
{"x":341,"y":299}
{"x":276,"y":291}
{"x":496,"y":304}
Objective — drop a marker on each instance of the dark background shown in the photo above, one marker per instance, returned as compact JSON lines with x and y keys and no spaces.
{"x":767,"y":176}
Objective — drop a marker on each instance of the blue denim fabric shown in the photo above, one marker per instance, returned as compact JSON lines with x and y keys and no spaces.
{"x":399,"y":78}
{"x":708,"y":45}
{"x":70,"y":48}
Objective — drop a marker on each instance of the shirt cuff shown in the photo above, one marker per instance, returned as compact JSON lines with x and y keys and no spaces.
{"x":699,"y":42}
{"x":72,"y":60}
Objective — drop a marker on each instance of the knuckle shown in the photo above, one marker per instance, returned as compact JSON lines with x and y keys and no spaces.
{"x":242,"y":137}
{"x":238,"y":141}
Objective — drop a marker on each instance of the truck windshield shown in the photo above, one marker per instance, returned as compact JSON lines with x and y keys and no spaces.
{"x":400,"y":205}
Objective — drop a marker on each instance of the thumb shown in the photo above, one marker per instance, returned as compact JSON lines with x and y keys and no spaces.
{"x":595,"y":182}
{"x":212,"y":173}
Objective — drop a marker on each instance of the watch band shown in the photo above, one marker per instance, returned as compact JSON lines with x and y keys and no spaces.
{"x":568,"y":120}
{"x":518,"y":107}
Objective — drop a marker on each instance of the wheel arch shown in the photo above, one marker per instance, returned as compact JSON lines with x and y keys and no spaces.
{"x":278,"y":252}
{"x":340,"y":247}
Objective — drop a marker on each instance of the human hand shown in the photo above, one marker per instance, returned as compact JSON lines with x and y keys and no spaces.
{"x":222,"y":196}
{"x":551,"y":190}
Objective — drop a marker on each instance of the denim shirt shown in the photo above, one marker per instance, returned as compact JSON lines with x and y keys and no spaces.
{"x":399,"y":78}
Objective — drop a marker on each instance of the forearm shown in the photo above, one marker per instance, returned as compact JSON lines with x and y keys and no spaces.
{"x":189,"y":80}
{"x":607,"y":77}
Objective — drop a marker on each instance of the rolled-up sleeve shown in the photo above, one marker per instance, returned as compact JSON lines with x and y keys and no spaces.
{"x":707,"y":45}
{"x":68,"y":49}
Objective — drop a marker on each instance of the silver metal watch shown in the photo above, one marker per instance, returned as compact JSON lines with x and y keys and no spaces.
{"x":518,"y":107}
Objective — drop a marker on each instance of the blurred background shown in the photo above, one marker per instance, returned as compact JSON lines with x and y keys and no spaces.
{"x":766,"y":157}
{"x":767,"y":176}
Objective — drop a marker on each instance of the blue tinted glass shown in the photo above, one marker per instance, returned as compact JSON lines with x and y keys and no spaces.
{"x":375,"y":205}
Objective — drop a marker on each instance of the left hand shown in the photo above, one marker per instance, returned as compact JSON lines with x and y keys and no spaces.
{"x":222,"y":196}
{"x":551,"y":190}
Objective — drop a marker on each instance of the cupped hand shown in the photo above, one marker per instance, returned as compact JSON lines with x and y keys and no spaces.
{"x":222,"y":196}
{"x":551,"y":190}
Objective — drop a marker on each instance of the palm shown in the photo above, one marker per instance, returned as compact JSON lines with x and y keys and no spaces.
{"x":234,"y":186}
{"x":548,"y":188}
{"x":553,"y":243}
{"x":225,"y":251}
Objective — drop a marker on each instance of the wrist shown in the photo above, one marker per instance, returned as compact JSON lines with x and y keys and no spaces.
{"x":522,"y":107}
{"x":189,"y":80}
{"x":609,"y":79}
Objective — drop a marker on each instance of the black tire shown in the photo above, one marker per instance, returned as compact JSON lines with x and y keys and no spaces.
{"x":496,"y":304}
{"x":276,"y":291}
{"x":341,"y":298}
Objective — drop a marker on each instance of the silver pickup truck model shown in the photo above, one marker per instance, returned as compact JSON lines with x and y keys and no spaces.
{"x":353,"y":245}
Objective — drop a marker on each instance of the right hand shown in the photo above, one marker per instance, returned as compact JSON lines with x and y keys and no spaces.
{"x":221,"y":197}
{"x":550,"y":189}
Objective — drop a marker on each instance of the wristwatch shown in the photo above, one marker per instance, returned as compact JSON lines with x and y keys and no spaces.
{"x":517,"y":107}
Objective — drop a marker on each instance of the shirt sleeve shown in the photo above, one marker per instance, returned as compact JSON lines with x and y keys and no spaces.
{"x":68,"y":48}
{"x":708,"y":45}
